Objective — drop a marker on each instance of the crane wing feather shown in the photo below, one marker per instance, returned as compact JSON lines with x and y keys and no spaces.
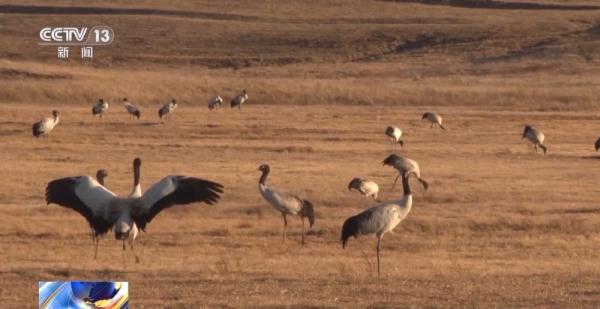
{"x":175,"y":190}
{"x":84,"y":195}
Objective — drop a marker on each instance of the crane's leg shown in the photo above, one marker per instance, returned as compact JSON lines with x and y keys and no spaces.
{"x":284,"y":227}
{"x":535,"y":147}
{"x":378,"y":244}
{"x":395,"y":181}
{"x":303,"y":231}
{"x":137,"y":259}
{"x":124,"y":253}
{"x":96,"y":242}
{"x":431,"y":126}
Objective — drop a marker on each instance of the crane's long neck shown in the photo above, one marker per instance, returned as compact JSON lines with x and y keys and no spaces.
{"x":263,"y":177}
{"x":137,"y":189}
{"x":100,"y":180}
{"x":405,"y":184}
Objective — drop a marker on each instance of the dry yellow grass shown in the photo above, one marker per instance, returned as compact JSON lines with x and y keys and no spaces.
{"x":500,"y":227}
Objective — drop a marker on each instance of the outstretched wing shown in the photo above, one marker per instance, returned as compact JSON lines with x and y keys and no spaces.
{"x":84,"y":195}
{"x":175,"y":190}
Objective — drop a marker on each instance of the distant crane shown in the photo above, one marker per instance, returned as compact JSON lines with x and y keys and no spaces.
{"x":215,"y":102}
{"x":284,"y":202}
{"x":379,"y":219}
{"x":366,"y":187}
{"x":103,"y":210}
{"x":100,"y":108}
{"x":44,"y":126}
{"x":434,"y":118}
{"x":132,"y":110}
{"x":395,"y":134}
{"x":405,"y":166}
{"x":536,"y":137}
{"x":239,"y":100}
{"x":167,"y":109}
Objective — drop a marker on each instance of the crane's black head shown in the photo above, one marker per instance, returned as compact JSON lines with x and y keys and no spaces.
{"x":101,"y":173}
{"x":101,"y":100}
{"x":425,"y":115}
{"x":391,"y":160}
{"x":308,"y":211}
{"x":137,"y":162}
{"x":173,"y":101}
{"x":389,"y":131}
{"x":354,"y":183}
{"x":244,"y":91}
{"x":527,"y":128}
{"x":124,"y":99}
{"x":55,"y":113}
{"x":264,"y":168}
{"x":350,"y":228}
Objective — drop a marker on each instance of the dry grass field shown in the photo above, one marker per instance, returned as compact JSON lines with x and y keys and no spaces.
{"x":500,"y":227}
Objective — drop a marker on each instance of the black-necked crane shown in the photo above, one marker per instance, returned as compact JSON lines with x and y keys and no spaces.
{"x":597,"y":145}
{"x":103,"y":210}
{"x":131,"y":109}
{"x":284,"y":202}
{"x":215,"y":102}
{"x":167,"y":109}
{"x":434,"y":119}
{"x":44,"y":126}
{"x":395,"y":134}
{"x":100,"y":108}
{"x":405,"y":166}
{"x":239,"y":100}
{"x":366,"y":187}
{"x":535,"y":136}
{"x":379,"y":219}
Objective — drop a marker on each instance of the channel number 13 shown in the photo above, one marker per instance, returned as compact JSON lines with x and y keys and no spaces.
{"x":101,"y":35}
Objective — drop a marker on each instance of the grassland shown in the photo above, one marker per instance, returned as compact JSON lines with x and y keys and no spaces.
{"x":500,"y":226}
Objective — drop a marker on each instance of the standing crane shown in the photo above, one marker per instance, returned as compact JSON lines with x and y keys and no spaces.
{"x":100,"y":108}
{"x":167,"y":109}
{"x":44,"y":126}
{"x":239,"y":100}
{"x":131,"y":109}
{"x":379,"y":219}
{"x":284,"y":202}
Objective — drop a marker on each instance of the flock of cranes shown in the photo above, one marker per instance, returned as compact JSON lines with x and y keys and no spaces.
{"x":126,"y":216}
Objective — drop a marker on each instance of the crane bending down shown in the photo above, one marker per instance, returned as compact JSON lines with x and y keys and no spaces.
{"x":284,"y":202}
{"x":366,"y":187}
{"x":379,"y":219}
{"x":536,"y":137}
{"x":434,"y":119}
{"x":104,"y":211}
{"x":394,"y":133}
{"x":405,"y":166}
{"x":131,"y":109}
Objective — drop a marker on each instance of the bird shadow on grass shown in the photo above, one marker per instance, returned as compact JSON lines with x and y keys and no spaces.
{"x":583,"y":210}
{"x":591,"y":157}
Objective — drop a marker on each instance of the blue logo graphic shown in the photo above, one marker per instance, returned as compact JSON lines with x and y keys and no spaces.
{"x":83,"y":294}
